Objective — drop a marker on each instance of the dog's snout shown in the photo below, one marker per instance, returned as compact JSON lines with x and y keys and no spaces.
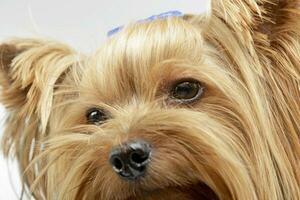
{"x":130,"y":159}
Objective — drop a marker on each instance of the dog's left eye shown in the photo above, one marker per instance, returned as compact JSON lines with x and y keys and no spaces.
{"x":96,"y":116}
{"x":187,"y":91}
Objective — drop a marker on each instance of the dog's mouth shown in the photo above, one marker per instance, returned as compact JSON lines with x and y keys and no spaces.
{"x":142,"y":180}
{"x":199,"y":191}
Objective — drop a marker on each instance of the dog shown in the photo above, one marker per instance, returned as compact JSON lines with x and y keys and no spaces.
{"x":184,"y":107}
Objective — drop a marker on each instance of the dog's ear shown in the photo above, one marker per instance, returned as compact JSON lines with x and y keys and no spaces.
{"x":263,"y":22}
{"x":29,"y":70}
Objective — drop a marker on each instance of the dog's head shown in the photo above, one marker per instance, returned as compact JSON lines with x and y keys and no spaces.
{"x":179,"y":108}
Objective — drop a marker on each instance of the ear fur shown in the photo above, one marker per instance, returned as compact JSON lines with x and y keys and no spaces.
{"x":268,"y":24}
{"x":259,"y":41}
{"x":29,"y":70}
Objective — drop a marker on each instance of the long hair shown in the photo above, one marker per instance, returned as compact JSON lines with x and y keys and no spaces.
{"x":239,"y":141}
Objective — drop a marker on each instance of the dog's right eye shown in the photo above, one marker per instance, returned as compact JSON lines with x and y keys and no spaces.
{"x":96,"y":116}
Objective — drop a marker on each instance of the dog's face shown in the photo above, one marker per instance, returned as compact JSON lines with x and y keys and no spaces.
{"x":177,"y":108}
{"x":143,"y":119}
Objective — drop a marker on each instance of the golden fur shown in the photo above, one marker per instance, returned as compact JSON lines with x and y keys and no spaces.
{"x":239,"y":141}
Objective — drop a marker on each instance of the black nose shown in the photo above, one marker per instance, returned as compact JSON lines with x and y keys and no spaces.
{"x":130,"y":159}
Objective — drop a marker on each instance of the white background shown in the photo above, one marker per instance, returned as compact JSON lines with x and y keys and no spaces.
{"x":83,"y":25}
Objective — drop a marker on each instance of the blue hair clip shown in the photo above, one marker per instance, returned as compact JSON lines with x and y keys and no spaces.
{"x":174,"y":13}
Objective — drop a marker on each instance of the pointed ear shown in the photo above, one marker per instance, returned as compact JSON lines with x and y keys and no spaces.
{"x":263,"y":21}
{"x":29,"y":70}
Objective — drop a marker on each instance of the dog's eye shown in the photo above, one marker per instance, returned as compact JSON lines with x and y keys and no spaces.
{"x":187,"y":91}
{"x":96,"y":116}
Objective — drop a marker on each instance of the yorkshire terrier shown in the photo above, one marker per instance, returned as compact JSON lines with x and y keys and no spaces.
{"x":180,"y":108}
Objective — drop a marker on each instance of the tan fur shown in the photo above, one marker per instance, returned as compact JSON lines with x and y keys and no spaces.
{"x":239,"y":141}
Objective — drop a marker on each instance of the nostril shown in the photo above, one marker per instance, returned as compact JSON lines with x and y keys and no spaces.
{"x":117,"y":163}
{"x":139,"y":153}
{"x":139,"y":157}
{"x":116,"y":160}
